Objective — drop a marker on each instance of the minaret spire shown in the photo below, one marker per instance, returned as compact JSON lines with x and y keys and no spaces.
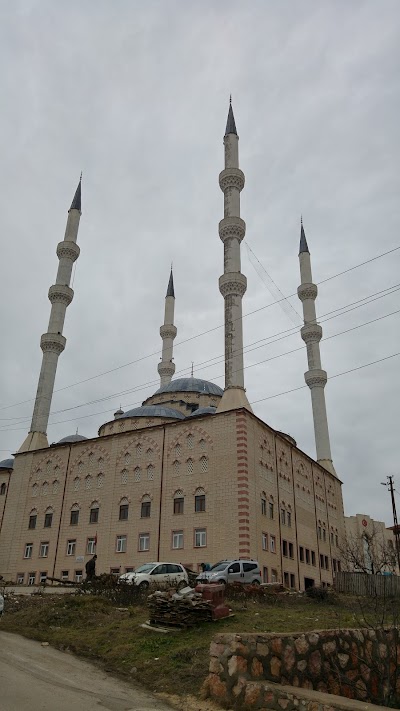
{"x":315,"y":377}
{"x":53,"y":342}
{"x":232,"y":284}
{"x":166,"y":368}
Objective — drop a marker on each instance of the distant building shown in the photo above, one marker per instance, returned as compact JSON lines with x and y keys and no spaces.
{"x":370,"y":546}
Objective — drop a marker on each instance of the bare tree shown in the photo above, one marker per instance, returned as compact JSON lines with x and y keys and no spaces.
{"x":368,"y":553}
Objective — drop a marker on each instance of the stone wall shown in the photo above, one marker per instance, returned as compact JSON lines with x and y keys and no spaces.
{"x":356,"y":664}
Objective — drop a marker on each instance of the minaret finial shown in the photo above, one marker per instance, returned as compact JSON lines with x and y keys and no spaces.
{"x":230,"y":124}
{"x":191,"y":374}
{"x":166,"y":368}
{"x":303,"y":241}
{"x":77,"y":200}
{"x":170,"y":288}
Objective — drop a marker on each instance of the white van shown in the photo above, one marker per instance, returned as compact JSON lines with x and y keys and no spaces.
{"x":243,"y":571}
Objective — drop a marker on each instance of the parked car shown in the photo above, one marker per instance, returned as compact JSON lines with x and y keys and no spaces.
{"x":232,"y":571}
{"x":1,"y":604}
{"x":157,"y":575}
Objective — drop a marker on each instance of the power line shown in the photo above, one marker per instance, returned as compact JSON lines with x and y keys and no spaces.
{"x":210,"y":330}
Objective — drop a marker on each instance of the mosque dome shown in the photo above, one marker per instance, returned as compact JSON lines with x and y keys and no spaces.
{"x":7,"y":463}
{"x":190,"y":385}
{"x":72,"y":438}
{"x":153,"y":411}
{"x":203,"y":411}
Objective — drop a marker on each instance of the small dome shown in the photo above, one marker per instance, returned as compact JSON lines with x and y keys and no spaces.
{"x":7,"y":463}
{"x":118,"y":413}
{"x":288,"y":437}
{"x":72,"y":438}
{"x":191,"y":385}
{"x":153,"y":411}
{"x":203,"y":411}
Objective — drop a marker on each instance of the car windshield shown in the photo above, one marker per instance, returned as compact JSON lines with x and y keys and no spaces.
{"x":220,"y":566}
{"x":145,"y":568}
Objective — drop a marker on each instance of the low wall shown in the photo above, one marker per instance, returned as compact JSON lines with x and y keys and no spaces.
{"x":356,"y":664}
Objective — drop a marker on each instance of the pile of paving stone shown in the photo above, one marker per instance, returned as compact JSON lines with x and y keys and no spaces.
{"x":185,"y":608}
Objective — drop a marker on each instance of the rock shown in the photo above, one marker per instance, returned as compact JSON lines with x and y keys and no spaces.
{"x":329,"y":647}
{"x":343,"y":659}
{"x":252,"y":694}
{"x":301,"y":645}
{"x":302,"y":665}
{"x":133,"y":670}
{"x":289,"y":659}
{"x":314,"y":663}
{"x":257,"y":669}
{"x":276,"y":666}
{"x":215,"y":666}
{"x":313,"y":638}
{"x":276,"y":645}
{"x":262,"y":649}
{"x":216,"y":687}
{"x":45,"y":644}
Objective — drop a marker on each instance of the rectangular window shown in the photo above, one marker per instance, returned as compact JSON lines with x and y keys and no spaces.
{"x":301,"y":554}
{"x":44,"y":550}
{"x":291,"y":554}
{"x":28,"y":550}
{"x":145,"y":509}
{"x":32,"y":521}
{"x":64,"y":574}
{"x":31,"y":578}
{"x":178,"y":506}
{"x":115,"y":571}
{"x":78,"y":576}
{"x":289,"y":518}
{"x":274,"y":575}
{"x":332,"y":538}
{"x":319,"y":532}
{"x":326,"y":562}
{"x":313,"y":558}
{"x":323,"y":534}
{"x":91,"y":546}
{"x":263,"y":507}
{"x":71,"y":547}
{"x":307,"y":556}
{"x":265,"y":575}
{"x":144,"y":541}
{"x":94,"y":515}
{"x":272,"y":544}
{"x":74,"y":518}
{"x":200,"y":538}
{"x":285,"y":548}
{"x":334,"y":565}
{"x":339,"y":566}
{"x":130,"y":569}
{"x":121,"y":544}
{"x":321,"y":560}
{"x":336,"y":540}
{"x":292,"y":580}
{"x":200,"y":503}
{"x":264,"y":541}
{"x":271,"y":509}
{"x":20,"y":578}
{"x":42,"y":578}
{"x":283,"y":517}
{"x":177,"y":539}
{"x":286,"y":580}
{"x":48,"y":520}
{"x":123,"y":512}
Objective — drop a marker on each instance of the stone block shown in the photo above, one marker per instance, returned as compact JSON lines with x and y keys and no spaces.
{"x":313,"y":638}
{"x":276,"y":645}
{"x":329,"y":647}
{"x":283,"y":703}
{"x":343,"y":660}
{"x":257,"y":669}
{"x":302,"y":665}
{"x":301,"y":645}
{"x":314,"y":663}
{"x":237,"y":665}
{"x":216,"y":649}
{"x":215,"y":666}
{"x":289,"y":659}
{"x":262,"y":649}
{"x":251,"y":694}
{"x":275,"y":666}
{"x":217,"y":688}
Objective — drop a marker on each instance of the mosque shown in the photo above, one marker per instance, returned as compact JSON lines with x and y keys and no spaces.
{"x":192,"y":475}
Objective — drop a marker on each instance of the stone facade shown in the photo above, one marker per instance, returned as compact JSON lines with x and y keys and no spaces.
{"x":351,"y":663}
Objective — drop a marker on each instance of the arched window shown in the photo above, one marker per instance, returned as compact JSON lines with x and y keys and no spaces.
{"x":35,"y":490}
{"x":48,"y":466}
{"x":150,"y":472}
{"x":77,"y":482}
{"x":56,"y":486}
{"x":145,"y":508}
{"x":124,"y":476}
{"x":101,"y":462}
{"x":124,"y":510}
{"x":199,"y":500}
{"x":127,"y":458}
{"x":94,"y":512}
{"x":189,"y":464}
{"x":90,"y":457}
{"x":149,"y":452}
{"x":178,"y":450}
{"x":74,"y":515}
{"x":3,"y":489}
{"x":45,"y":488}
{"x":178,"y":502}
{"x":88,"y":482}
{"x":80,"y":466}
{"x":204,"y":464}
{"x":190,"y":441}
{"x":203,"y":444}
{"x":100,"y":480}
{"x":138,"y":450}
{"x":176,"y":466}
{"x":136,"y":474}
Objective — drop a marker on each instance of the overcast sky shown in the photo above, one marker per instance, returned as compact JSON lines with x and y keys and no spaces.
{"x":135,"y":94}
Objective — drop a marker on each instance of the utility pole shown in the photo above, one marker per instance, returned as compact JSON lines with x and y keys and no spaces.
{"x":396,"y":527}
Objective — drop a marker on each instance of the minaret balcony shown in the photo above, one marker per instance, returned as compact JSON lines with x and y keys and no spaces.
{"x":316,"y":378}
{"x":231,"y":178}
{"x":61,"y":294}
{"x":307,"y":291}
{"x":68,"y":250}
{"x":232,"y":228}
{"x":168,"y":331}
{"x":232,"y":283}
{"x":166,"y":369}
{"x":311,"y":333}
{"x":52,"y":343}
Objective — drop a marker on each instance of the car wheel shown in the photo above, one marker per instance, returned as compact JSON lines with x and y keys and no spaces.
{"x":182,"y":584}
{"x":221,"y":582}
{"x":143,"y":585}
{"x":256,"y":582}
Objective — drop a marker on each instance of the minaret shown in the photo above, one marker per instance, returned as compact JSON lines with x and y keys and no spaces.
{"x":166,"y":368}
{"x":53,"y":342}
{"x":315,"y":377}
{"x":232,"y":284}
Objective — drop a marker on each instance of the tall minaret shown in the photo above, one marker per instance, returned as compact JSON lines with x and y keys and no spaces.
{"x":315,"y":377}
{"x":232,"y":284}
{"x":166,"y":368}
{"x":53,"y":342}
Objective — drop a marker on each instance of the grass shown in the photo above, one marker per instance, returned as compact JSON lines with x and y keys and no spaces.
{"x":173,"y":663}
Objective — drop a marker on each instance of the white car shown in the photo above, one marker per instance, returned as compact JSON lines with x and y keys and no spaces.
{"x":158,"y":575}
{"x":1,"y":604}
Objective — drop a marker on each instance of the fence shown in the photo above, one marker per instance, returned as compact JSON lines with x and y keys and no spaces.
{"x":364,"y":584}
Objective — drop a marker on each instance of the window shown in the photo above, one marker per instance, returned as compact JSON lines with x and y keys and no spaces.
{"x":20,"y":578}
{"x":121,"y":544}
{"x":339,"y":566}
{"x":3,"y":489}
{"x":204,"y":464}
{"x":263,"y":507}
{"x":291,"y":555}
{"x":42,"y":578}
{"x":323,"y":534}
{"x":71,"y":546}
{"x":144,"y":541}
{"x":64,"y":574}
{"x":264,"y":541}
{"x":145,"y":509}
{"x":200,"y":503}
{"x":307,"y":556}
{"x":336,"y":540}
{"x":91,"y":546}
{"x":94,"y":514}
{"x":265,"y":575}
{"x":178,"y":505}
{"x":292,"y":580}
{"x":177,"y":539}
{"x":321,"y":560}
{"x":115,"y":571}
{"x":123,"y":512}
{"x":74,"y":519}
{"x":200,"y":538}
{"x":326,"y":562}
{"x":334,"y":565}
{"x":283,"y":517}
{"x":48,"y":520}
{"x":289,"y":518}
{"x":313,"y":557}
{"x":150,"y":472}
{"x":285,"y":548}
{"x":136,"y":473}
{"x":301,"y":554}
{"x":332,"y":538}
{"x":190,"y":441}
{"x":77,"y":482}
{"x":32,"y":521}
{"x":274,"y":575}
{"x":286,"y":580}
{"x":31,"y":578}
{"x":272,"y":545}
{"x":271,"y":509}
{"x":319,"y":532}
{"x":189,"y":466}
{"x":78,"y":576}
{"x":28,"y":550}
{"x":44,"y":550}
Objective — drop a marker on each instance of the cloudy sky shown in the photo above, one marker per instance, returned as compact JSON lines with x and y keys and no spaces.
{"x":135,"y":94}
